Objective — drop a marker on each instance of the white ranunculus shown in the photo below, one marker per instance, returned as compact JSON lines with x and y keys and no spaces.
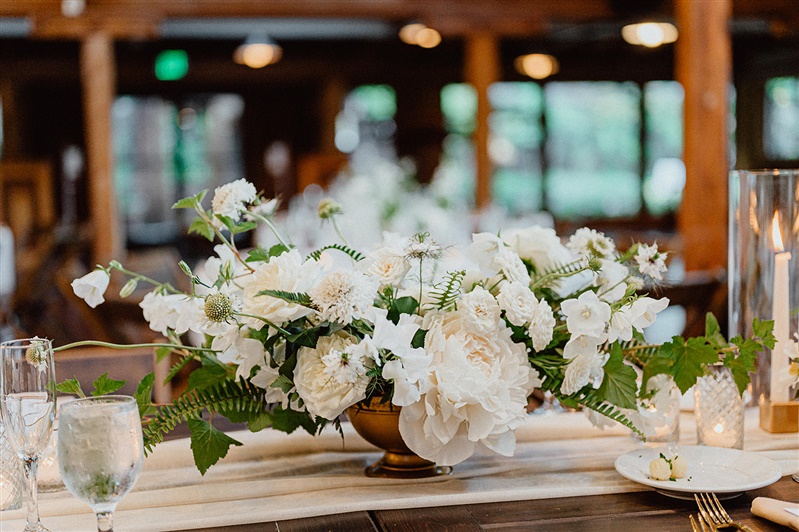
{"x":611,"y":281}
{"x":91,"y":287}
{"x":591,"y":243}
{"x":327,"y":380}
{"x":285,"y":272}
{"x":344,"y":295}
{"x":586,"y":314}
{"x":479,"y":311}
{"x":232,"y":200}
{"x":583,"y":370}
{"x":538,"y":245}
{"x":162,"y":310}
{"x":388,"y":265}
{"x":644,"y":311}
{"x":542,"y":325}
{"x":518,"y":302}
{"x":475,"y":394}
{"x":650,"y":261}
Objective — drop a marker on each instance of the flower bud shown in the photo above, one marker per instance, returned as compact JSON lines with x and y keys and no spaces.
{"x":128,"y":289}
{"x":328,"y":207}
{"x":185,"y":268}
{"x":218,"y":307}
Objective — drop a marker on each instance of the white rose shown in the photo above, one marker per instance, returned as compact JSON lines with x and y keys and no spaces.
{"x":388,"y":265}
{"x":91,"y":287}
{"x":518,"y":302}
{"x":583,"y":370}
{"x":323,"y":395}
{"x":542,"y":325}
{"x":479,"y":310}
{"x":511,"y":266}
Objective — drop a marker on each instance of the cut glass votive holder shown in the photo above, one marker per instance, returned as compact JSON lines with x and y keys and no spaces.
{"x":719,"y":409}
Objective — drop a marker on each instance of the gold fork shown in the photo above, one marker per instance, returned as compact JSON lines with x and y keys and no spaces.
{"x":714,"y":513}
{"x":701,"y":527}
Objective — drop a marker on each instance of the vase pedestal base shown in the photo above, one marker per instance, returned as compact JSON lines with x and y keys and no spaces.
{"x":405,"y":465}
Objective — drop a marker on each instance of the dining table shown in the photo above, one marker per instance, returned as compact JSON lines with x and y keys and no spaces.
{"x":561,"y":477}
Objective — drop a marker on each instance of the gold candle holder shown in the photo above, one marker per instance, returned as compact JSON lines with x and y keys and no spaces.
{"x":779,"y":417}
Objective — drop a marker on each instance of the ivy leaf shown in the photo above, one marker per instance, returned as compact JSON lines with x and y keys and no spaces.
{"x":713,"y":332}
{"x":619,"y":386}
{"x":144,"y":394}
{"x":208,"y":445}
{"x":402,"y":305}
{"x":206,"y":376}
{"x":104,"y":386}
{"x":71,"y":387}
{"x":688,"y":359}
{"x":764,"y":329}
{"x":202,"y":228}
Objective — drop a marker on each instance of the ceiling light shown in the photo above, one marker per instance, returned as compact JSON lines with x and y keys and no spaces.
{"x":537,"y":66}
{"x":257,"y":52}
{"x":428,"y":38}
{"x":409,"y":32}
{"x":650,"y":34}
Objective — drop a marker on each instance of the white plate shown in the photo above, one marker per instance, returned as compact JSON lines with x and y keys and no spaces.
{"x":710,"y":469}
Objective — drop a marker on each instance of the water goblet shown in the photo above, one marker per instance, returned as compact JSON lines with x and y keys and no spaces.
{"x":100,"y":451}
{"x":27,"y":390}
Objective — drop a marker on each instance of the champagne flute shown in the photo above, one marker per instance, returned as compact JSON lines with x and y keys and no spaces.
{"x":100,"y":451}
{"x":27,"y":389}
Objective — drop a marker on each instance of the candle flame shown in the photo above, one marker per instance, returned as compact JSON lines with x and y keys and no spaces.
{"x":775,"y":234}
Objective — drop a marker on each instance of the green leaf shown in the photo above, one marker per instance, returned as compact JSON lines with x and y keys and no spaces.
{"x":190,"y":201}
{"x":619,"y":386}
{"x":71,"y":387}
{"x":355,"y":255}
{"x":144,"y":394}
{"x":765,"y":331}
{"x":297,"y":298}
{"x":418,"y":338}
{"x":289,"y":420}
{"x":655,"y":366}
{"x":688,"y":359}
{"x":713,"y":332}
{"x":104,"y":386}
{"x":740,"y":371}
{"x":202,"y":228}
{"x":283,"y":383}
{"x":402,"y":305}
{"x":243,"y":227}
{"x":206,"y":376}
{"x":260,"y":421}
{"x":208,"y":445}
{"x":162,"y":352}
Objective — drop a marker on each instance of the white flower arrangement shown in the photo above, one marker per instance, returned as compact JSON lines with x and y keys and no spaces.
{"x":292,"y":341}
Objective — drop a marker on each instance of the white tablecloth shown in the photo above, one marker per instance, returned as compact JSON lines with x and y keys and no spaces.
{"x":275,"y":476}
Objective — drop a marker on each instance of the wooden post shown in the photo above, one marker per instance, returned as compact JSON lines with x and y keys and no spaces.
{"x":481,"y":70}
{"x":703,"y":65}
{"x":98,"y":78}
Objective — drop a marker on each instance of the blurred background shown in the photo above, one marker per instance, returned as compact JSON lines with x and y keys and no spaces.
{"x":438,"y":115}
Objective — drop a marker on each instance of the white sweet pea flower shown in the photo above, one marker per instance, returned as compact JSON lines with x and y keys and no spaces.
{"x":611,"y":281}
{"x":232,"y":200}
{"x":91,"y":287}
{"x":542,"y":325}
{"x":344,"y":295}
{"x":287,"y":272}
{"x":644,"y":310}
{"x":327,"y":381}
{"x":650,"y":261}
{"x":518,"y":302}
{"x":591,"y":243}
{"x":583,"y":370}
{"x":586,"y":314}
{"x":479,"y":311}
{"x":162,"y":310}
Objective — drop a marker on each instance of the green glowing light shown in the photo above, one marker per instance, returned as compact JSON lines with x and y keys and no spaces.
{"x":171,"y":65}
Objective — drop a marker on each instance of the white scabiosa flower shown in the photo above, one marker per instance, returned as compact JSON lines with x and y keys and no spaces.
{"x":518,"y":302}
{"x":479,"y":311}
{"x":91,"y":287}
{"x":232,"y":200}
{"x":344,"y":295}
{"x":162,"y":310}
{"x":586,"y":314}
{"x":327,"y":379}
{"x":542,"y":325}
{"x":650,"y":261}
{"x":591,"y":243}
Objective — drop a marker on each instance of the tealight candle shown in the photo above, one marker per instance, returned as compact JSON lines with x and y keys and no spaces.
{"x":780,"y":313}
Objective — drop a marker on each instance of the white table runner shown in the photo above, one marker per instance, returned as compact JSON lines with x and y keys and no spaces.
{"x":275,"y":476}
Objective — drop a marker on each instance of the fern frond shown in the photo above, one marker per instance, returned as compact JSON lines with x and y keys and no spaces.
{"x":298,"y":298}
{"x":446,"y":293}
{"x":175,"y":369}
{"x":227,"y":397}
{"x":564,"y":270}
{"x":638,"y":352}
{"x":355,"y":255}
{"x":606,"y":409}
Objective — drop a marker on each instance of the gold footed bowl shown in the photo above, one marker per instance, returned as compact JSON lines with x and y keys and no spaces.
{"x":378,"y":423}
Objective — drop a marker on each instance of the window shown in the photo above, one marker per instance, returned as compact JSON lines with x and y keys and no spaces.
{"x":781,"y":119}
{"x":367,"y":120}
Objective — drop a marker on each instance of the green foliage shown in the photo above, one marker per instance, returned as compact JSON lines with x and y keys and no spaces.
{"x":209,"y":375}
{"x":619,"y":386}
{"x":144,"y":393}
{"x":190,"y":202}
{"x":446,"y":293}
{"x":401,"y":305}
{"x":591,"y":401}
{"x":202,"y":228}
{"x":355,"y":255}
{"x":263,"y":255}
{"x":297,"y":298}
{"x":104,"y":386}
{"x":418,"y":339}
{"x":71,"y":387}
{"x":208,"y":445}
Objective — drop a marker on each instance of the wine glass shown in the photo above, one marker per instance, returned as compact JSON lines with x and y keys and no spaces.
{"x":27,"y":389}
{"x":100,"y":451}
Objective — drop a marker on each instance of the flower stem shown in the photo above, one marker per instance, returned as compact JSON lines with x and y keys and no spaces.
{"x":555,"y":275}
{"x":338,"y":231}
{"x":267,"y":222}
{"x":221,"y":237}
{"x":130,"y":346}
{"x":253,"y":316}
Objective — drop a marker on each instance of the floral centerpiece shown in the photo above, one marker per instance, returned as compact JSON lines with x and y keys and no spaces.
{"x":454,"y":339}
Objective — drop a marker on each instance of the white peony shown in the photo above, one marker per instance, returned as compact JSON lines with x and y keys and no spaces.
{"x":162,"y":310}
{"x":322,"y":377}
{"x":591,"y":243}
{"x":388,"y":265}
{"x":539,"y":246}
{"x":91,"y":287}
{"x":650,"y":261}
{"x":583,"y":370}
{"x":479,"y":311}
{"x":542,"y":325}
{"x":344,"y":295}
{"x":586,"y":314}
{"x":475,"y":394}
{"x":232,"y":200}
{"x":285,"y":272}
{"x":518,"y":302}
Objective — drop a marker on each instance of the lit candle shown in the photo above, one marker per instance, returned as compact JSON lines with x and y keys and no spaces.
{"x":780,"y":314}
{"x":720,"y":436}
